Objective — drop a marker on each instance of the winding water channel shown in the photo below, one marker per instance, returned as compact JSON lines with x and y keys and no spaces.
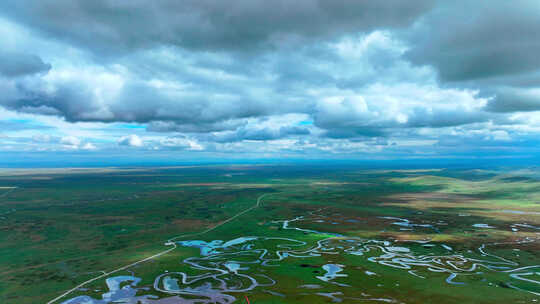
{"x":225,"y":268}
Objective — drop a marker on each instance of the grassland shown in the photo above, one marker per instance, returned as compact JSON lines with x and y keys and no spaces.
{"x":63,"y":227}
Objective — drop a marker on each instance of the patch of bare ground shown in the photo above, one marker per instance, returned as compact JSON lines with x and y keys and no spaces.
{"x":435,"y":196}
{"x":340,"y":183}
{"x":509,"y":216}
{"x":426,"y":200}
{"x":39,"y":172}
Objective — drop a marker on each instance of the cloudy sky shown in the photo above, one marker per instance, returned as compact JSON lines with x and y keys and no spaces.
{"x":207,"y":79}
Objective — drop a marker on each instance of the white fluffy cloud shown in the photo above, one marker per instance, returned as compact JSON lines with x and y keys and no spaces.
{"x":180,"y":143}
{"x":89,"y":146}
{"x":70,"y":142}
{"x":131,"y":140}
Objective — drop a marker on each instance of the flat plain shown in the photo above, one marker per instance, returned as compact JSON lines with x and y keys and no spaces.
{"x":273,"y":233}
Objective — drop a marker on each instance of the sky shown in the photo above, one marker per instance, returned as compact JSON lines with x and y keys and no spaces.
{"x":255,"y":79}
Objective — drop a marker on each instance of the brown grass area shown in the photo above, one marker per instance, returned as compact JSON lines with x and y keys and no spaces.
{"x":408,"y":171}
{"x":190,"y":224}
{"x":201,"y":184}
{"x":436,"y":196}
{"x":476,"y":206}
{"x":509,"y":217}
{"x":423,"y":201}
{"x":36,"y":237}
{"x":339,"y":183}
{"x":39,"y":172}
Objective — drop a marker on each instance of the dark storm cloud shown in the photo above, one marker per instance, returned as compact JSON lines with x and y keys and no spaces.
{"x":355,"y":132}
{"x":515,"y":100}
{"x":171,"y":126}
{"x":107,"y":26}
{"x":490,"y":46}
{"x":14,"y":64}
{"x":70,"y":100}
{"x":137,"y":102}
{"x":423,"y":118}
{"x":468,"y":40}
{"x":268,"y":134}
{"x":258,"y":134}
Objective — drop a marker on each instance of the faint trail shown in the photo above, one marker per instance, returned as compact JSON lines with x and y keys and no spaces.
{"x":169,"y":243}
{"x":224,"y":222}
{"x":111,"y":272}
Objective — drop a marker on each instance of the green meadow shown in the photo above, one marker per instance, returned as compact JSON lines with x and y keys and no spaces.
{"x":319,"y":234}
